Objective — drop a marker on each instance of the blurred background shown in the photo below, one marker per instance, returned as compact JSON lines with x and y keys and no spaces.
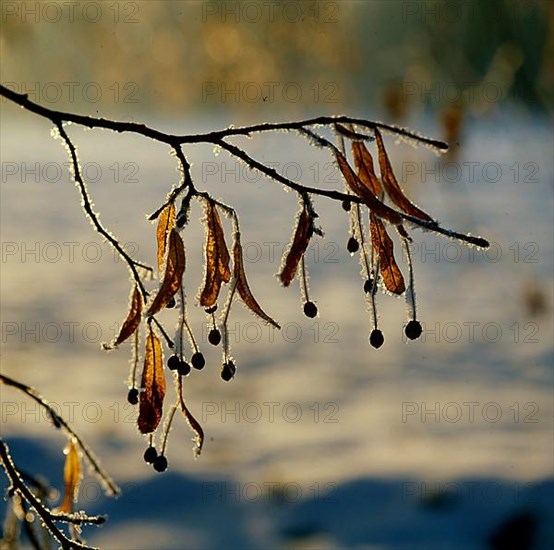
{"x":320,"y":441}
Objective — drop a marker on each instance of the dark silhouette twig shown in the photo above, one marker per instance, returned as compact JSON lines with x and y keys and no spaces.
{"x":59,"y":422}
{"x":48,"y":517}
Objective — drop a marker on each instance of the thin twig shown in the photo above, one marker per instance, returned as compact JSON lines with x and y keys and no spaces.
{"x":47,"y":516}
{"x":87,"y":206}
{"x":168,"y":426}
{"x":175,"y":140}
{"x":216,"y":137}
{"x":185,"y":184}
{"x":59,"y":422}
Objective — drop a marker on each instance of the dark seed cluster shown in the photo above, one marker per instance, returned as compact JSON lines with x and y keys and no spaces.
{"x":159,"y":462}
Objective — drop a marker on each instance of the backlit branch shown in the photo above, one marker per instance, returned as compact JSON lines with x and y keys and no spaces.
{"x":375,"y":202}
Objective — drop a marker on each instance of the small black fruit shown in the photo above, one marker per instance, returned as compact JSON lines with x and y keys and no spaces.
{"x":160,"y":464}
{"x":228,"y":371}
{"x":197,"y":360}
{"x":214,"y":337}
{"x":133,"y":396}
{"x":413,"y":329}
{"x":173,"y":362}
{"x":368,"y":286}
{"x":310,"y":309}
{"x":150,"y":455}
{"x":171,"y":303}
{"x":352,"y":245}
{"x":183,"y":368}
{"x":376,"y":338}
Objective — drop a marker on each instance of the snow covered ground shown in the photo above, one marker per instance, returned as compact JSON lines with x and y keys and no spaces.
{"x":320,"y":441}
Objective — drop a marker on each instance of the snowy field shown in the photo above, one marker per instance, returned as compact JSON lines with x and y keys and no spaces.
{"x":320,"y":441}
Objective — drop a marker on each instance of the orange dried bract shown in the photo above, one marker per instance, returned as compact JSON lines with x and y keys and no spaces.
{"x":131,"y":323}
{"x":72,"y":476}
{"x":165,"y":225}
{"x":383,"y":245}
{"x":242,"y":285}
{"x":364,"y":165}
{"x":394,"y":191}
{"x":359,"y":189}
{"x":300,"y":242}
{"x":174,"y":269}
{"x":217,"y":258}
{"x":153,"y":384}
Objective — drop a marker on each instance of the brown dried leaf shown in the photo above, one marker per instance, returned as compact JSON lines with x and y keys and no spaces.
{"x":192,"y":422}
{"x":153,"y":384}
{"x":72,"y":475}
{"x":174,"y":269}
{"x":356,"y":185}
{"x":132,"y":321}
{"x":165,"y":224}
{"x":217,"y":258}
{"x":300,"y":242}
{"x":392,"y":276}
{"x":242,"y":284}
{"x":364,"y":165}
{"x":394,"y":191}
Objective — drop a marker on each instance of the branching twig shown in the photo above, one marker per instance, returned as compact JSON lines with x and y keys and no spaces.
{"x":175,"y":140}
{"x":87,"y":206}
{"x":48,"y":517}
{"x":217,"y":138}
{"x":385,"y":202}
{"x":59,"y":422}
